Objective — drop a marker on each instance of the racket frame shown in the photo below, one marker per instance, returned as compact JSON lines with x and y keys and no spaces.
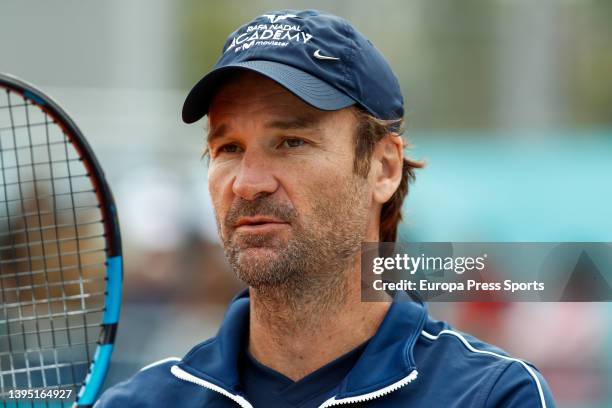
{"x":94,"y":380}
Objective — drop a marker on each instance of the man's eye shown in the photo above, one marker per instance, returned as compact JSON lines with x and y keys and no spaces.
{"x":228,"y":148}
{"x":293,"y":142}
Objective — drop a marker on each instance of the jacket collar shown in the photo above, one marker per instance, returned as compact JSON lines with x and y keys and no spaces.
{"x":387,"y":358}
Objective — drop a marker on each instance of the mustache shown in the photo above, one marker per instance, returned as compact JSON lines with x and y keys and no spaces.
{"x":263,"y":206}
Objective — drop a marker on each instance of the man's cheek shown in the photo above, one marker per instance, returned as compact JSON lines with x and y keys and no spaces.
{"x":220,"y":217}
{"x":218,"y":196}
{"x":326,"y":191}
{"x":220,"y":180}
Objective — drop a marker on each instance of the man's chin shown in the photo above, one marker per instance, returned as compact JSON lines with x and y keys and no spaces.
{"x":262,"y":256}
{"x":261,"y":266}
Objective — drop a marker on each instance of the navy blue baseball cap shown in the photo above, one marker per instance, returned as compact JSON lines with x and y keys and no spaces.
{"x":317,"y":56}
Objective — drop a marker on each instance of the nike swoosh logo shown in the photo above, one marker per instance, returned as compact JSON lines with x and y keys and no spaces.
{"x":317,"y":54}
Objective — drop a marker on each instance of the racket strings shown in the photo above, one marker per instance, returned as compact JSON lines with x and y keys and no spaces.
{"x":24,"y":126}
{"x":38,"y":272}
{"x":52,"y":253}
{"x":95,"y":222}
{"x":57,"y":210}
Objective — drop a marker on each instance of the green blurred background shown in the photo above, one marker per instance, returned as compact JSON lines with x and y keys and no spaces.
{"x":508,"y":101}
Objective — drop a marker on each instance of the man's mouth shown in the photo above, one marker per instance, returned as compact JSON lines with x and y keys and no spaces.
{"x":259,"y":224}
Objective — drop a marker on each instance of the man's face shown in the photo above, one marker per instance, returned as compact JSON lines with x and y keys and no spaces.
{"x":289,"y":207}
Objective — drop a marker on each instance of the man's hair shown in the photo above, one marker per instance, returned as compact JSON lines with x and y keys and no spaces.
{"x":370,"y":130}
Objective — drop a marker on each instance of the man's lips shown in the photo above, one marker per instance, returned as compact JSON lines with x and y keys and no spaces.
{"x":259,"y":223}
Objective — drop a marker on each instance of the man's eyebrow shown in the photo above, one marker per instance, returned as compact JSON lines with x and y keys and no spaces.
{"x":216,"y":133}
{"x":303,"y":122}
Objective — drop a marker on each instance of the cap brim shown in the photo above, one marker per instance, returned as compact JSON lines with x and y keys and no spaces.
{"x":307,"y":87}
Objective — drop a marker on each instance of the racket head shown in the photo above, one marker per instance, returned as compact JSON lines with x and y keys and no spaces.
{"x":60,"y":251}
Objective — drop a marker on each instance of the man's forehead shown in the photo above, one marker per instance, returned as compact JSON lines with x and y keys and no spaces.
{"x":246,"y":95}
{"x":244,"y":84}
{"x":245,"y":92}
{"x":295,"y":122}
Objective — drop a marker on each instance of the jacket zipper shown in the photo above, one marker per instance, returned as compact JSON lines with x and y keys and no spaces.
{"x":372,"y":395}
{"x":184,"y":375}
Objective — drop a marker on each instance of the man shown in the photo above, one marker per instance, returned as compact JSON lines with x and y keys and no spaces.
{"x":306,"y":163}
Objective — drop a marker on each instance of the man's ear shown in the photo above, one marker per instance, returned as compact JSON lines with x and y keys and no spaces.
{"x":388,"y":159}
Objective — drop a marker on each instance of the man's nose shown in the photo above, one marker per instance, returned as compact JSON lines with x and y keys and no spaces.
{"x":254,"y":177}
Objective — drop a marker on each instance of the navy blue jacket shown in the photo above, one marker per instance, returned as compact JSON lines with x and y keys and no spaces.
{"x":412,"y":361}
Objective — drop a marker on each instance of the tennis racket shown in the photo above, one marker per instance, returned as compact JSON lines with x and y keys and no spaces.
{"x":60,"y":256}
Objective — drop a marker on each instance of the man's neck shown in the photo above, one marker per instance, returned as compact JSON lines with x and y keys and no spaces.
{"x":296,"y":336}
